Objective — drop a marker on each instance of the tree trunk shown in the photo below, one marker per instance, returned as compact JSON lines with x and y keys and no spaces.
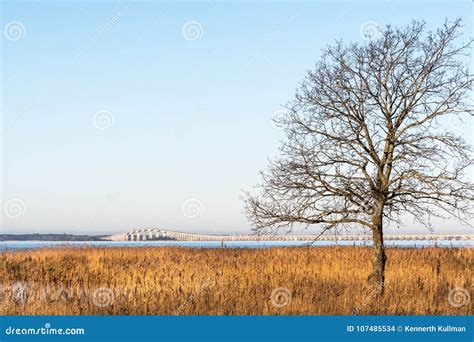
{"x":377,"y":277}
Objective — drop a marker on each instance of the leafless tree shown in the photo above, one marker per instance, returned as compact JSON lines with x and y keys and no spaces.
{"x":367,"y":139}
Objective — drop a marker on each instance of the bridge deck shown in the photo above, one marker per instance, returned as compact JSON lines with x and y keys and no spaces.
{"x":159,"y":234}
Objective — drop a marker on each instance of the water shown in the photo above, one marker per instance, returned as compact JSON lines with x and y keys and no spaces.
{"x":18,"y":245}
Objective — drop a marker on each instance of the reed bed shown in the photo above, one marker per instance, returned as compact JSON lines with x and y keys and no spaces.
{"x":275,"y":281}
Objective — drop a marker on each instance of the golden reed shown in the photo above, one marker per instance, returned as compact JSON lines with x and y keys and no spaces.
{"x":183,"y":281}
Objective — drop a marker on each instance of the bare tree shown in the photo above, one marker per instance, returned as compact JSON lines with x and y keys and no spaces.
{"x":367,"y":140}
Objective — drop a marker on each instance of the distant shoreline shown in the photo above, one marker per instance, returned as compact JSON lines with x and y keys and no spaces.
{"x":178,"y":236}
{"x":51,"y":237}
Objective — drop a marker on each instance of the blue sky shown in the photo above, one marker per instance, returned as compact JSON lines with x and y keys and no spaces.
{"x":186,"y":121}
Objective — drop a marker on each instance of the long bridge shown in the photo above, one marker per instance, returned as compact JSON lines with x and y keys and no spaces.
{"x":151,"y":234}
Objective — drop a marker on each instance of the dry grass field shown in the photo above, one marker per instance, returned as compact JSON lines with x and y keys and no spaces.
{"x":182,"y":281}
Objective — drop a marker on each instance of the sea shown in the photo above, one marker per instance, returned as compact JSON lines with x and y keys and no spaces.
{"x":21,"y":245}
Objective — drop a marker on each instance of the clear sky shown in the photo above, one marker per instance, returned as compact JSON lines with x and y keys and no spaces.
{"x":120,"y":115}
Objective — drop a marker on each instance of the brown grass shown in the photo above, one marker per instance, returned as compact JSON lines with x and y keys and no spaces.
{"x":173,"y":280}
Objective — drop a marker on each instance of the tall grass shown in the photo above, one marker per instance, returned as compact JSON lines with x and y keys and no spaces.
{"x":183,"y":281}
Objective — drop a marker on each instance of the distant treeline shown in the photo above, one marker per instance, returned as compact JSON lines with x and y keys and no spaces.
{"x":50,"y":237}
